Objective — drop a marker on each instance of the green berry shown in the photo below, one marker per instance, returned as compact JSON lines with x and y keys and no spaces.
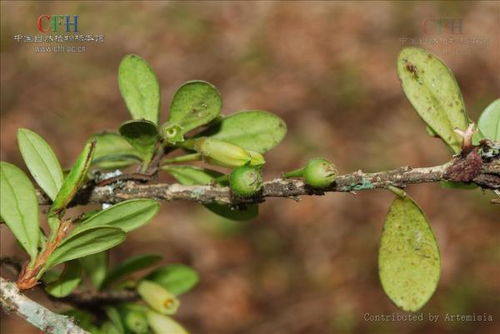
{"x":246,"y":181}
{"x":319,"y":173}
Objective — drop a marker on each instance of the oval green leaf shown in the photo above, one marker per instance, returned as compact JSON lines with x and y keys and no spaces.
{"x":176,"y":278}
{"x":87,"y":242}
{"x":139,"y":88}
{"x":408,"y":259}
{"x":114,"y":151}
{"x":254,"y":130}
{"x":95,"y":267}
{"x":434,"y":93}
{"x":41,"y":161}
{"x":127,"y":215}
{"x":19,"y":207}
{"x":194,"y":104}
{"x":75,"y":178}
{"x":129,"y":266}
{"x":67,"y":282}
{"x":190,"y":175}
{"x":142,"y":135}
{"x":489,"y":121}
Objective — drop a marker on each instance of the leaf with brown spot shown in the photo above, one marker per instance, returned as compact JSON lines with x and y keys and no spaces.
{"x":434,"y":93}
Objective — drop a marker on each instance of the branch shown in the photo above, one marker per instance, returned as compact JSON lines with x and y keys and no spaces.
{"x":85,"y":300}
{"x":13,"y":301}
{"x":487,"y":177}
{"x":92,"y":300}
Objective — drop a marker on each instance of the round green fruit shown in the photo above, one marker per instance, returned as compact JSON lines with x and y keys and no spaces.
{"x":246,"y":181}
{"x":319,"y":173}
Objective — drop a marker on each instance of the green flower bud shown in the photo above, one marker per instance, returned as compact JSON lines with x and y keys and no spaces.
{"x":222,"y":153}
{"x":319,"y":173}
{"x":109,"y":328}
{"x":246,"y":181}
{"x":256,"y":159}
{"x":164,"y":324}
{"x":172,"y":133}
{"x":157,"y":297}
{"x":135,"y":321}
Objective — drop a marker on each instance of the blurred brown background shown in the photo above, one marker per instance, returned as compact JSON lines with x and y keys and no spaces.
{"x":328,"y":69}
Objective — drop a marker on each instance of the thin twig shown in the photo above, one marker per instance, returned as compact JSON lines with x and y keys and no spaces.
{"x":93,"y":300}
{"x":87,"y":299}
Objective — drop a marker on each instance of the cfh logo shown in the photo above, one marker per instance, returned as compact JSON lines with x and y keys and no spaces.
{"x":57,"y":23}
{"x":440,"y":26}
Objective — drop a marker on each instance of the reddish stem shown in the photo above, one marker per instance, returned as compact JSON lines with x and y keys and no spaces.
{"x":28,"y":276}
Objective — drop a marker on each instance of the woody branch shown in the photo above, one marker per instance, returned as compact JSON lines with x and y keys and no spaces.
{"x":486,"y":176}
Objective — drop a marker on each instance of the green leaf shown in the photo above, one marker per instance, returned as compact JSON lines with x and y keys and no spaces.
{"x":95,"y":266}
{"x":139,"y":88}
{"x":131,"y":265}
{"x":194,"y":104}
{"x":75,"y":178}
{"x":431,"y":132}
{"x":114,"y":151}
{"x":190,"y":175}
{"x":142,"y":135}
{"x":457,"y":185}
{"x":83,"y":243}
{"x":53,"y":222}
{"x":240,"y":213}
{"x":176,"y":278}
{"x":52,"y":275}
{"x":164,"y":324}
{"x":489,"y":121}
{"x":115,"y":318}
{"x":19,"y":207}
{"x":253,"y":130}
{"x":83,"y":319}
{"x":127,"y":215}
{"x":408,"y":259}
{"x":67,"y":282}
{"x":41,"y":161}
{"x":434,"y":93}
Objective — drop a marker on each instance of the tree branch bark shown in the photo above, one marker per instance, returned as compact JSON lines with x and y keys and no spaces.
{"x":487,"y":178}
{"x":13,"y":301}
